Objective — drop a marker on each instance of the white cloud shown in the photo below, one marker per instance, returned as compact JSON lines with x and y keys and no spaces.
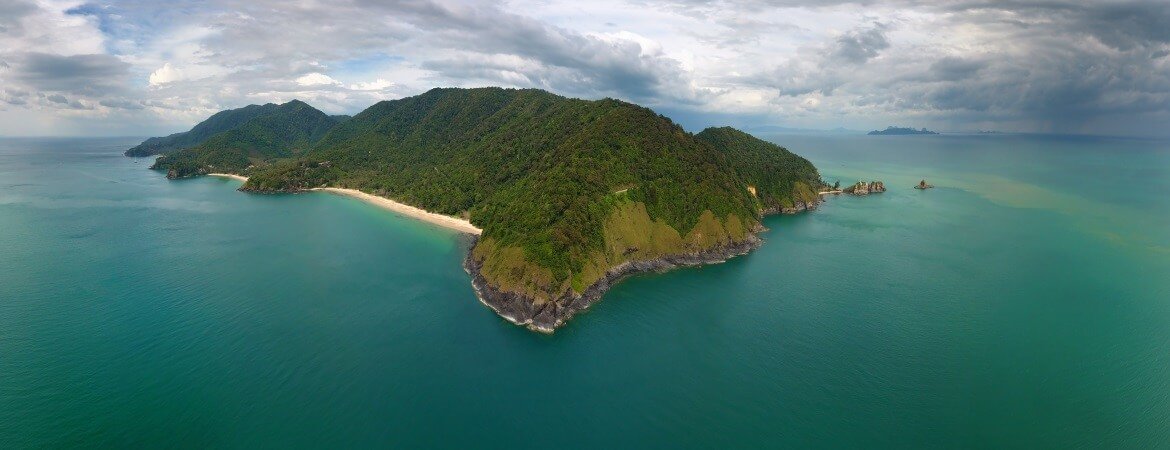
{"x":376,"y":85}
{"x":165,"y":74}
{"x":317,"y":79}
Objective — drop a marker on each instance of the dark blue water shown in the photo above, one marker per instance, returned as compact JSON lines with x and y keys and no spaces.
{"x":1023,"y":303}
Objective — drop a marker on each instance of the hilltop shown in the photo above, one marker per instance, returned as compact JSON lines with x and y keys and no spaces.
{"x":217,"y":123}
{"x":283,"y":131}
{"x":781,"y":180}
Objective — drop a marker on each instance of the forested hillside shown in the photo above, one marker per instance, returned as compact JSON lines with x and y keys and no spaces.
{"x":287,"y":130}
{"x":780,"y":178}
{"x":217,"y":123}
{"x":570,"y":194}
{"x":564,"y":189}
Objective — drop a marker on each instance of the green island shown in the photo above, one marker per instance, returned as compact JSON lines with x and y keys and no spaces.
{"x":900,"y":131}
{"x":571,"y":195}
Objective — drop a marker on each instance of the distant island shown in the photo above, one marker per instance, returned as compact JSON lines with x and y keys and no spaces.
{"x":899,"y":131}
{"x":562,"y":197}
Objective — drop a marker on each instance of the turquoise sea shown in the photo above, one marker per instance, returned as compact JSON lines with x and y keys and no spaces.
{"x":1024,"y":303}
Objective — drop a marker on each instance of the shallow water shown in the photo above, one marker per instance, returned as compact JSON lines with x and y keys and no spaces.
{"x":1025,"y":302}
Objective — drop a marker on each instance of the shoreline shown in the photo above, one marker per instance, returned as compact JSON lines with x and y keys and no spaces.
{"x":552,"y":314}
{"x":230,"y":175}
{"x":444,"y":221}
{"x":548,"y":316}
{"x":451,"y":223}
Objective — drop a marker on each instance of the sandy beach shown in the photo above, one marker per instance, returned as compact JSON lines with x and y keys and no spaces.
{"x":229,"y":175}
{"x":407,"y":210}
{"x":383,"y":202}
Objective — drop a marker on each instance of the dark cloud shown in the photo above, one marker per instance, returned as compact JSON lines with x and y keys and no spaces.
{"x":267,"y":43}
{"x":11,"y":11}
{"x":819,"y":69}
{"x":559,"y":59}
{"x":1052,"y":64}
{"x":62,"y":101}
{"x":1122,"y":25}
{"x":861,"y":45}
{"x":1057,"y":65}
{"x":79,"y":74}
{"x":949,"y":68}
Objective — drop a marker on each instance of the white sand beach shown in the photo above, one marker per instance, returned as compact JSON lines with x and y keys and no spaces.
{"x":229,"y":175}
{"x":407,"y":210}
{"x":453,"y":223}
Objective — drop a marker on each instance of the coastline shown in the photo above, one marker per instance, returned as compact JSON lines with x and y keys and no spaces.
{"x":407,"y":210}
{"x":230,"y":175}
{"x":548,"y":316}
{"x":444,"y":221}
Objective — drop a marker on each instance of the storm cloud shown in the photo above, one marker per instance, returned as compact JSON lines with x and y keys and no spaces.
{"x":861,"y":45}
{"x":82,"y":74}
{"x":11,"y":13}
{"x":1013,"y":65}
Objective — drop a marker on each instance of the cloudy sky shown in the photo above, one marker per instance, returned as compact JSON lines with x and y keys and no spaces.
{"x":146,"y":67}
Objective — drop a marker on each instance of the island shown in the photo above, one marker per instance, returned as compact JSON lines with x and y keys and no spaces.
{"x":899,"y":131}
{"x":865,"y":188}
{"x":561,"y":197}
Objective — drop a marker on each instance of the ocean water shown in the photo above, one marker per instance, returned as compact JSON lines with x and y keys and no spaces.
{"x":1024,"y":303}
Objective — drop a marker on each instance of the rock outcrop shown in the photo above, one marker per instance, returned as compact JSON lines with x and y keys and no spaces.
{"x":797,"y":207}
{"x":864,"y":188}
{"x":546,"y":316}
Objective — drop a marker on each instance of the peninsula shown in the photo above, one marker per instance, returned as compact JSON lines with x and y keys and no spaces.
{"x":563,"y":197}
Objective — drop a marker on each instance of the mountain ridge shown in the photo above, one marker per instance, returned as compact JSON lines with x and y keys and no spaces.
{"x":218,"y":122}
{"x":285,"y":131}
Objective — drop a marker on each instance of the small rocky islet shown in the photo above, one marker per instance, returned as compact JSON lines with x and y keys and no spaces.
{"x":865,"y":188}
